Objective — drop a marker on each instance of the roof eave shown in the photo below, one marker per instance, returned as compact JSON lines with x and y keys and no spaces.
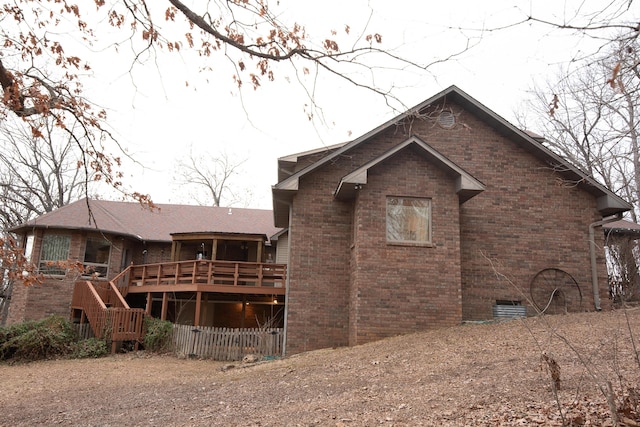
{"x":28,"y":226}
{"x":282,"y":200}
{"x":610,"y":204}
{"x":466,"y":185}
{"x":451,"y":90}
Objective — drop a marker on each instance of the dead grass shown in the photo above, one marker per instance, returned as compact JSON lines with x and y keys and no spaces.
{"x":474,"y":374}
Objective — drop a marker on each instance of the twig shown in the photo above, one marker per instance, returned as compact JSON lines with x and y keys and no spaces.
{"x":631,"y":336}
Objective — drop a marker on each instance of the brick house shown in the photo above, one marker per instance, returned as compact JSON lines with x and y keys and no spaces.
{"x":170,"y":256}
{"x":444,"y":214}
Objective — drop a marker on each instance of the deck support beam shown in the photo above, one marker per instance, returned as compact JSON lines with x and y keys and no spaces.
{"x":196,"y":320}
{"x":165,"y":300}
{"x":148,"y":307}
{"x":244,"y":310}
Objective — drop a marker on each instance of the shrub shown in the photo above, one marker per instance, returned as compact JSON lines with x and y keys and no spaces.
{"x":9,"y":332}
{"x":44,"y":339}
{"x":89,"y":348}
{"x":158,"y":335}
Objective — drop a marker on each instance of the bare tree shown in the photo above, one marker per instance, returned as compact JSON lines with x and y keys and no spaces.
{"x":37,"y":174}
{"x":42,"y":73}
{"x":595,"y":125}
{"x":607,"y":26}
{"x":42,"y":68}
{"x":623,"y":256}
{"x":212,"y":179}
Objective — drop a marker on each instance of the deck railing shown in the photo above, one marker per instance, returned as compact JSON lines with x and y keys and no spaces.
{"x":194,"y":272}
{"x":121,"y":282}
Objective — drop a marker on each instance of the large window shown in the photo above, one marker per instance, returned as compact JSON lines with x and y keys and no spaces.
{"x":96,"y":256}
{"x":408,"y":220}
{"x":54,"y":253}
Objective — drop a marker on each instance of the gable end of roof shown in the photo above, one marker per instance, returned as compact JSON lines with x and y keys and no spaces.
{"x":466,"y":185}
{"x":608,"y":202}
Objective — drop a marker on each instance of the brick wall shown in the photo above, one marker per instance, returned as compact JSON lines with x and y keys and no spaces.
{"x":401,"y":288}
{"x":317,"y":303}
{"x":336,"y":296}
{"x":527,"y":219}
{"x":53,"y":296}
{"x":155,"y":253}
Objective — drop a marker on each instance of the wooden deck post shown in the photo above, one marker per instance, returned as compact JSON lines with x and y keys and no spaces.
{"x":175,"y":250}
{"x":244,"y":310}
{"x":163,"y":314}
{"x":148,"y":307}
{"x":205,"y":308}
{"x":196,"y":320}
{"x":259,"y":252}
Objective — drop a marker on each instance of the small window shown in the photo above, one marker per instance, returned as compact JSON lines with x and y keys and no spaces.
{"x":55,"y":252}
{"x":96,"y":257}
{"x":408,"y":220}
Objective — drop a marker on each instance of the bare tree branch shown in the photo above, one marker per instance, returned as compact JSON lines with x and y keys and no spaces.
{"x":39,"y":174}
{"x":214,"y":176}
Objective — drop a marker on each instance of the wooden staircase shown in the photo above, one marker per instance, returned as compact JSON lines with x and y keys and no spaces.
{"x":104,"y":307}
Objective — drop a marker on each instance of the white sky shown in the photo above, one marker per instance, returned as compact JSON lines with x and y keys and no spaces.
{"x":157,"y":117}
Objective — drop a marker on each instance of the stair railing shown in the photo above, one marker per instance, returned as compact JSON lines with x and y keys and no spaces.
{"x":114,"y":320}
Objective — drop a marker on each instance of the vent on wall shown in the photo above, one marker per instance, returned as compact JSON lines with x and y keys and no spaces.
{"x":509,"y":309}
{"x":446,"y":119}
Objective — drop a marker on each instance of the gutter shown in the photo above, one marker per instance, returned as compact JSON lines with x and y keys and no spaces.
{"x":592,"y":253}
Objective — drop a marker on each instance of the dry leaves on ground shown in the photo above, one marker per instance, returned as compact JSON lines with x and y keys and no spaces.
{"x":474,"y":374}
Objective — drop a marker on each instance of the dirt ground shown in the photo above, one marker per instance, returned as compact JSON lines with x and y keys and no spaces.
{"x":474,"y":374}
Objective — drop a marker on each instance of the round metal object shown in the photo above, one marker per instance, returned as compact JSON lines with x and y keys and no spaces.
{"x":554,"y":291}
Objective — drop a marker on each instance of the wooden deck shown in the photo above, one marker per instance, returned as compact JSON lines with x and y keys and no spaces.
{"x":103,"y":304}
{"x":204,"y":276}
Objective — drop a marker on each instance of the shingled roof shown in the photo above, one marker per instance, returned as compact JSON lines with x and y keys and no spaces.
{"x":622,"y":227}
{"x":132,"y":219}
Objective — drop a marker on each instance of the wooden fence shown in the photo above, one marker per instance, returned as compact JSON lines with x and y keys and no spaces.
{"x":227,"y":343}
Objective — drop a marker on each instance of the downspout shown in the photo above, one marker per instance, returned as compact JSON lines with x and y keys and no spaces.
{"x":592,"y":253}
{"x":286,"y":284}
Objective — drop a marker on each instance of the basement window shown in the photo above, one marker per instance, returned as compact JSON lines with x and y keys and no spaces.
{"x":507,"y":309}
